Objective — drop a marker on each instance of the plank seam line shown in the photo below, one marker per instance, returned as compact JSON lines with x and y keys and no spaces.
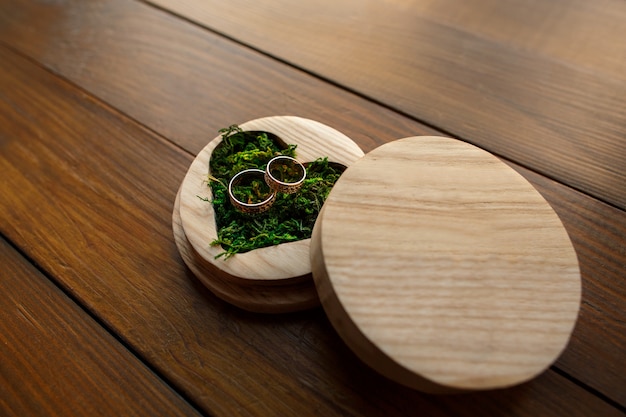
{"x":370,"y":99}
{"x":85,"y":308}
{"x":174,"y":145}
{"x":590,"y":389}
{"x":99,"y":101}
{"x":87,"y":311}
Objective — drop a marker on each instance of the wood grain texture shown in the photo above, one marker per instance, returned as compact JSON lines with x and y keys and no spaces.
{"x":178,"y":79}
{"x":56,"y":139}
{"x":597,"y":232}
{"x":219,"y":355}
{"x":444,"y":268}
{"x":576,"y":32}
{"x":561,"y":114}
{"x":56,"y":361}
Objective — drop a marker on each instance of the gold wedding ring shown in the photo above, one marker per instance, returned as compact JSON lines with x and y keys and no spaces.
{"x":285,"y":174}
{"x":253,"y":180}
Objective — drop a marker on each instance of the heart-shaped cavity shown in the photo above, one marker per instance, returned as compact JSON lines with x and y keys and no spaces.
{"x":254,"y":206}
{"x":279,"y":268}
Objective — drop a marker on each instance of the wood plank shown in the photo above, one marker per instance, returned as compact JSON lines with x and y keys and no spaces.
{"x":57,"y":361}
{"x":304,"y":337}
{"x":597,"y":232}
{"x":89,"y":198}
{"x":568,"y":120}
{"x":578,"y":33}
{"x":151,"y":38}
{"x":166,"y":66}
{"x":552,"y":70}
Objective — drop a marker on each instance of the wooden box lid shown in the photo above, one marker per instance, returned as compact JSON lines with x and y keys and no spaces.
{"x":444,"y":269}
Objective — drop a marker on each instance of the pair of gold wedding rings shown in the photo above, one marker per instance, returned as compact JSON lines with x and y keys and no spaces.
{"x":283,"y":174}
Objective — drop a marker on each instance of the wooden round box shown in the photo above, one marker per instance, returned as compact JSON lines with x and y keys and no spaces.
{"x":440,"y":266}
{"x":274,"y":279}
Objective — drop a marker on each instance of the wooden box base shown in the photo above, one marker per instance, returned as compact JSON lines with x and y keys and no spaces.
{"x":274,"y":279}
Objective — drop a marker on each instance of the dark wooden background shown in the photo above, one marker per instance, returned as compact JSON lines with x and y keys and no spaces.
{"x":103,"y":105}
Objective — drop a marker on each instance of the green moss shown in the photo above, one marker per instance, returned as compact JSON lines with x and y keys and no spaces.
{"x":292,"y":216}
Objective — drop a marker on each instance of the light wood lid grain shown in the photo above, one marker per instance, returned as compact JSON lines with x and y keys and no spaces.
{"x":444,"y":269}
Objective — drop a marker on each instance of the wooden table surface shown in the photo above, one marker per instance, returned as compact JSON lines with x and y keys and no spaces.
{"x":104,"y":104}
